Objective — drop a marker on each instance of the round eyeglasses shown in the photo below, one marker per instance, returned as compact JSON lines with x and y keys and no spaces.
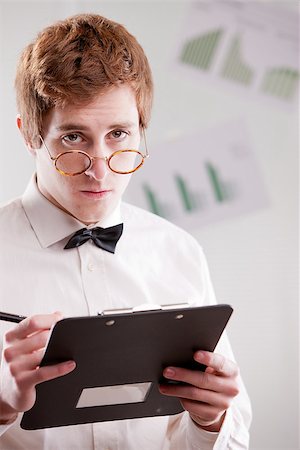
{"x":77,"y":162}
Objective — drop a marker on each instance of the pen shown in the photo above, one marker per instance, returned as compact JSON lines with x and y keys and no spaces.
{"x":11,"y":317}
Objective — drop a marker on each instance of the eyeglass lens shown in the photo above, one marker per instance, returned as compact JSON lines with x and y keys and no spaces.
{"x":73,"y":163}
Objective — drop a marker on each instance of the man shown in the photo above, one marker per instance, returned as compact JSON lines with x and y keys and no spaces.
{"x":84,"y":93}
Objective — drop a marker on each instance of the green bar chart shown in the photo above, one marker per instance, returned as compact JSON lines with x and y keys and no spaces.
{"x":200,"y":51}
{"x":217,"y":186}
{"x":240,"y":49}
{"x":152,"y":200}
{"x":215,"y":182}
{"x":187,"y":197}
{"x":281,"y":82}
{"x":234,"y":67}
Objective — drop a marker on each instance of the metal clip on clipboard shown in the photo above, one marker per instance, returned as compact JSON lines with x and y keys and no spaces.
{"x":142,"y":308}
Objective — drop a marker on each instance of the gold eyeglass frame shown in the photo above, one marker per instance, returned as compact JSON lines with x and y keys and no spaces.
{"x":107,"y":159}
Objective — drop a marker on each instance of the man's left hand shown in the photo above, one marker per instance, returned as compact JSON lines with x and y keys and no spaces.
{"x":205,"y":395}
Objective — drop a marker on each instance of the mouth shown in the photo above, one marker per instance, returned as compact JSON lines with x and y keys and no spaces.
{"x":96,"y":193}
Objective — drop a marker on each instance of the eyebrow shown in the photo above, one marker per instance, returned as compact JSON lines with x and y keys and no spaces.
{"x":70,"y":126}
{"x":78,"y":126}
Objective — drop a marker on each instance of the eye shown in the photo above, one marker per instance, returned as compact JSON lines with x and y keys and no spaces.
{"x":72,"y":138}
{"x":118,"y":134}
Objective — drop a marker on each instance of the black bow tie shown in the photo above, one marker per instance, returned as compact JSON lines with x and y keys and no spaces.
{"x":105,"y":238}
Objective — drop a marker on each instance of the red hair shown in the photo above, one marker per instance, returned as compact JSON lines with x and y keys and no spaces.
{"x":72,"y":61}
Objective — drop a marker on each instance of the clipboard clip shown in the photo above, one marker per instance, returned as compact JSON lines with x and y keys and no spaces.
{"x":144,"y":307}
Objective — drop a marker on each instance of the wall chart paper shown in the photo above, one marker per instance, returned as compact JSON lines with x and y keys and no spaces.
{"x":247,"y":46}
{"x":201,"y":178}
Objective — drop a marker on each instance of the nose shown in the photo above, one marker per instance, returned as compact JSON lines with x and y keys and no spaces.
{"x":98,"y":169}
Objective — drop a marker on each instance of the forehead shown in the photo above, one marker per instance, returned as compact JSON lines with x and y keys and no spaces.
{"x":114,"y":106}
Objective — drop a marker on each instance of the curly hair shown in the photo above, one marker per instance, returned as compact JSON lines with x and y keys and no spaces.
{"x":72,"y":61}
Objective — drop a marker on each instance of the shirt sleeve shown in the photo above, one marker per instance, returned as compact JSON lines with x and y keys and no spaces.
{"x":184,"y":433}
{"x":4,"y":327}
{"x":234,"y":433}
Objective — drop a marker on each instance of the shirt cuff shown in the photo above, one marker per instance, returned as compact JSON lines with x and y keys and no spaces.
{"x":225,"y":431}
{"x":200,"y":439}
{"x":5,"y":427}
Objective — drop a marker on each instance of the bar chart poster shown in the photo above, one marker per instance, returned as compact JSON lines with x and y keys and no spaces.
{"x":246,"y":46}
{"x":201,"y":178}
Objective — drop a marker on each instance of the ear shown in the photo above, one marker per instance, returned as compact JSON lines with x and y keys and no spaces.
{"x":28,"y":144}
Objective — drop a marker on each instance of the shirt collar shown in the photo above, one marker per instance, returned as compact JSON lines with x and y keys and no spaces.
{"x":50,"y":223}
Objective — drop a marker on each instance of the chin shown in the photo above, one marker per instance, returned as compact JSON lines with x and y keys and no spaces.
{"x":89,"y":218}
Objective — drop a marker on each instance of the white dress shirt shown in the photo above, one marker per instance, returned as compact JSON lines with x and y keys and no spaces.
{"x":155,"y":262}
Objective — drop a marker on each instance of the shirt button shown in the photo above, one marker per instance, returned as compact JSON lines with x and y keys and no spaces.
{"x":91,"y":267}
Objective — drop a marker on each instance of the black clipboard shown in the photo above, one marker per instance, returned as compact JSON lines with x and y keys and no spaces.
{"x":119,"y":363}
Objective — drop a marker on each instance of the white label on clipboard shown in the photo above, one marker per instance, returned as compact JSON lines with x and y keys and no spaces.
{"x":113,"y":395}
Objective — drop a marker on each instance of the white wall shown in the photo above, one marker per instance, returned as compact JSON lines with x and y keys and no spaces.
{"x":253,"y":258}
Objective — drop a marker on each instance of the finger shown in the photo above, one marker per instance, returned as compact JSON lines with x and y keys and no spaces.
{"x":25,"y":346}
{"x":27,"y":380}
{"x":26,"y":363}
{"x":212,"y":398}
{"x":217,"y":362}
{"x":47,"y":373}
{"x":31,"y":325}
{"x":199,"y":379}
{"x":210,"y":370}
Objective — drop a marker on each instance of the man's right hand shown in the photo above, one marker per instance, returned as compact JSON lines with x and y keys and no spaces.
{"x":23,"y":349}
